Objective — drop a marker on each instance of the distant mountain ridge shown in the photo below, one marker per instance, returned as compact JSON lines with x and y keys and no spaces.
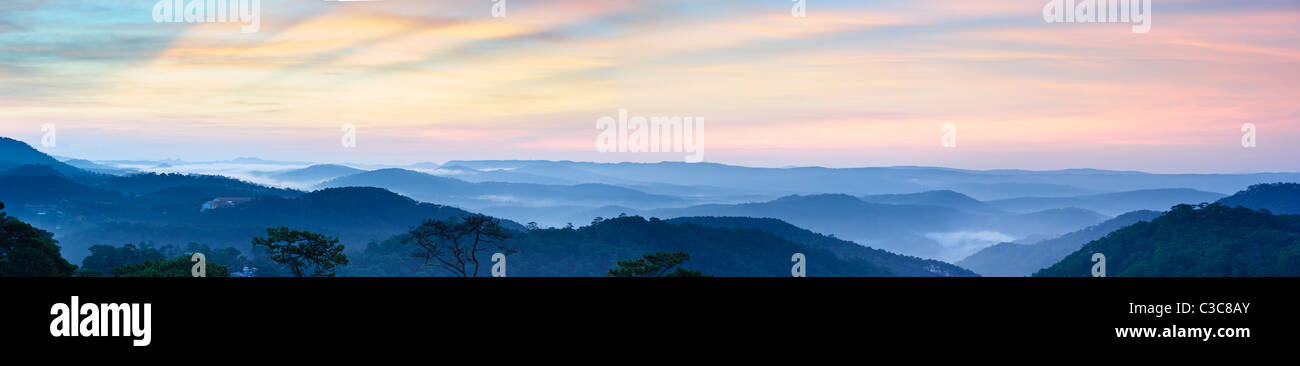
{"x":983,"y":185}
{"x":897,"y":228}
{"x":1111,"y":203}
{"x":433,"y":188}
{"x":943,"y":198}
{"x":90,"y":166}
{"x":312,"y":174}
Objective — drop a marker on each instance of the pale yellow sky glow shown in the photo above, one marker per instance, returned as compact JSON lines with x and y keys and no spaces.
{"x":851,"y":84}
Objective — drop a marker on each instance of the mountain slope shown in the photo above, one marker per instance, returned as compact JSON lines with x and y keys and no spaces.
{"x":1018,"y":260}
{"x":593,"y":250}
{"x":336,"y":208}
{"x":14,"y":153}
{"x":47,"y":198}
{"x":980,"y":184}
{"x":1193,"y":241}
{"x":312,"y":174}
{"x":91,"y":166}
{"x":505,"y":176}
{"x":1278,"y":198}
{"x":916,"y":230}
{"x":1052,"y":221}
{"x":942,"y":198}
{"x":836,"y":213}
{"x":41,"y":185}
{"x":356,"y":215}
{"x":165,"y":208}
{"x":898,"y":264}
{"x":431,"y":188}
{"x":147,"y":183}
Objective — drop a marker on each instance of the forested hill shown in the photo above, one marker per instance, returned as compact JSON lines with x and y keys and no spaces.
{"x":899,"y":264}
{"x":1192,"y":241}
{"x":356,"y":215}
{"x":14,"y":153}
{"x":1277,"y":198}
{"x":1019,"y":260}
{"x":593,"y":250}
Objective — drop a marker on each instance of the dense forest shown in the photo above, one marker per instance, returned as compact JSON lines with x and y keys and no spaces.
{"x":1278,"y":198}
{"x":28,"y":251}
{"x":1211,"y":240}
{"x":593,"y":250}
{"x":901,"y":265}
{"x":1019,"y":260}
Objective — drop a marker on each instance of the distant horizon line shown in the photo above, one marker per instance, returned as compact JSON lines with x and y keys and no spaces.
{"x":64,"y":158}
{"x":672,"y":162}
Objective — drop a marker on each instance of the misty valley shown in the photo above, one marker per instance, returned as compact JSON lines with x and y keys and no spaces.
{"x":564,"y":218}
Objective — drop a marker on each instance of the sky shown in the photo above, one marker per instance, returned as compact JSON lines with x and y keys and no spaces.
{"x":850,"y":83}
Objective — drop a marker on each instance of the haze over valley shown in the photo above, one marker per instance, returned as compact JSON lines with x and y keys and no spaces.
{"x":967,"y":217}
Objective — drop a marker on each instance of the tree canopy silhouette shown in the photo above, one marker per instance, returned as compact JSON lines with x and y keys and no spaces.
{"x":303,"y":251}
{"x":26,"y":251}
{"x":1206,"y":240}
{"x":655,"y":265}
{"x":454,"y":244}
{"x":173,"y":267}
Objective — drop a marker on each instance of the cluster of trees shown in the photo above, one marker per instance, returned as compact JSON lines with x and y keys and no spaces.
{"x":655,"y":265}
{"x":305,"y":253}
{"x":148,"y":260}
{"x":281,"y":251}
{"x":164,"y":267}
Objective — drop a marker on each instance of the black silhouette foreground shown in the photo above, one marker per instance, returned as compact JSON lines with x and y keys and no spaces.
{"x":454,"y":245}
